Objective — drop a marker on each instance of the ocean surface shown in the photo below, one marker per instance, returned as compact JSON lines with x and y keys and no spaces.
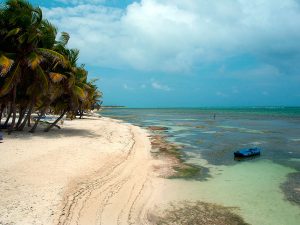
{"x":262,"y":188}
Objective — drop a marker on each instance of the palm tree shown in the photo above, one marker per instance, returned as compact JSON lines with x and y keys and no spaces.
{"x":38,"y":73}
{"x":30,"y":39}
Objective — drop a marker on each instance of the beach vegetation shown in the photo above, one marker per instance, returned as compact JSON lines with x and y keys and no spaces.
{"x":39,"y":74}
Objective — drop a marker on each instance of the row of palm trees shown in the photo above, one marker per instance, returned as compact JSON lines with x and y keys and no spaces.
{"x":38,"y":73}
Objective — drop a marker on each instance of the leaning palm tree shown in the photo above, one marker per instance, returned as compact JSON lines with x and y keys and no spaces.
{"x":70,"y":99}
{"x":92,"y":97}
{"x":38,"y":72}
{"x":29,"y":39}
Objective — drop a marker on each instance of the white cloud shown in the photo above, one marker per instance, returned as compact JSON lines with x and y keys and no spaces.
{"x":159,"y":86}
{"x":176,"y":35}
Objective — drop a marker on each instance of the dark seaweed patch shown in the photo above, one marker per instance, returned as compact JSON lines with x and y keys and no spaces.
{"x":196,"y":213}
{"x":291,"y":188}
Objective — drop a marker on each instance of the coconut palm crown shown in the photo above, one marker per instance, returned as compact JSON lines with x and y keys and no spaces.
{"x":38,"y":73}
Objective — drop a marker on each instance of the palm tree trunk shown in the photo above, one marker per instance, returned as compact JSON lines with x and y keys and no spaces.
{"x":37,"y":121}
{"x":1,"y":113}
{"x":80,"y":111}
{"x":26,"y":117}
{"x":13,"y":110}
{"x":56,"y":121}
{"x":28,"y":120}
{"x":22,"y":113}
{"x":8,"y":116}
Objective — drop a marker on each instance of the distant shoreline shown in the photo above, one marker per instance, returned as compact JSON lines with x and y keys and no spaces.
{"x":112,"y":107}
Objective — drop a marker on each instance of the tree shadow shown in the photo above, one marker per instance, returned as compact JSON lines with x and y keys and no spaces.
{"x":52,"y":134}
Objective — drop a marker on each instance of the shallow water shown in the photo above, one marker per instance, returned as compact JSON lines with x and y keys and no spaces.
{"x":253,"y":185}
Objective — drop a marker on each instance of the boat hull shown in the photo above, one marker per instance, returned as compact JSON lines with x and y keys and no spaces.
{"x":247,"y":152}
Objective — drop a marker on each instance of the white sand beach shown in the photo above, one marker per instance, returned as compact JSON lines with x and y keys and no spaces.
{"x":92,"y":171}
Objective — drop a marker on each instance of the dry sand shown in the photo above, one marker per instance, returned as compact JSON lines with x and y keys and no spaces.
{"x":93,"y":171}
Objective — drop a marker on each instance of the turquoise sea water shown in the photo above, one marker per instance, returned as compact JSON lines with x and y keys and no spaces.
{"x":211,"y":135}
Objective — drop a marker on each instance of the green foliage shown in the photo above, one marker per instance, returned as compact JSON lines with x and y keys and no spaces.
{"x":41,"y":68}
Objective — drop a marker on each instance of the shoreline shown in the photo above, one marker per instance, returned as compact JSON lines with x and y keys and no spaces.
{"x":94,"y":170}
{"x":100,"y":171}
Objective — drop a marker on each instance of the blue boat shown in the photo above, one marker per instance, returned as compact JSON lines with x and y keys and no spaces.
{"x":247,"y":152}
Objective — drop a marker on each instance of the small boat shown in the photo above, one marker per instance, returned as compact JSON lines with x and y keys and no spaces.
{"x":247,"y":152}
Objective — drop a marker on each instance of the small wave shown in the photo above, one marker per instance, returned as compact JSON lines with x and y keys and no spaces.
{"x":209,"y":132}
{"x":254,"y":143}
{"x":295,"y":139}
{"x":243,"y":129}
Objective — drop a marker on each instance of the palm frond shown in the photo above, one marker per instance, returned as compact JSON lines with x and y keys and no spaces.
{"x":71,"y":80}
{"x":5,"y":65}
{"x":10,"y":81}
{"x":42,"y":77}
{"x":22,"y":38}
{"x":87,"y":87}
{"x":79,"y":92}
{"x":33,"y":90}
{"x":13,"y":32}
{"x":48,"y":34}
{"x":34,"y":60}
{"x":55,"y":55}
{"x":57,"y":77}
{"x":64,"y":38}
{"x":37,"y":15}
{"x":55,"y":91}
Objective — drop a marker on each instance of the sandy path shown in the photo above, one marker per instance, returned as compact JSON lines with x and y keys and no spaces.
{"x":93,"y":171}
{"x":119,"y":193}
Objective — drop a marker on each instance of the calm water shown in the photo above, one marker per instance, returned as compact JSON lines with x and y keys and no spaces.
{"x":253,"y":185}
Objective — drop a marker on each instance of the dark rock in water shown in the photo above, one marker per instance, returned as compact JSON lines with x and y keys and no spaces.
{"x":196,"y":213}
{"x":157,"y":128}
{"x":291,"y":188}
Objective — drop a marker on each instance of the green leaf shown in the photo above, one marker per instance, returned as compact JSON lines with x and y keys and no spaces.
{"x":71,"y":80}
{"x":55,"y":55}
{"x":13,"y":32}
{"x":10,"y":81}
{"x":79,"y":92}
{"x":32,"y":36}
{"x":22,"y":38}
{"x":42,"y":77}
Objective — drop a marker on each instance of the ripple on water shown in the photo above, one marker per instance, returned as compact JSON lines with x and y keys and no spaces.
{"x":243,"y":129}
{"x":209,"y":132}
{"x":295,"y":139}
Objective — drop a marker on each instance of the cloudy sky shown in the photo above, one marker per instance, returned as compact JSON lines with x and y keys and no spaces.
{"x":164,"y":53}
